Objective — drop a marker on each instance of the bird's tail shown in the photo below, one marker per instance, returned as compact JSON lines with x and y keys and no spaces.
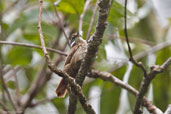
{"x":62,"y":88}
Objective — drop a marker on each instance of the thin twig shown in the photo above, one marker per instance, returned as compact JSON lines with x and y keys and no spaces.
{"x":11,"y":6}
{"x":2,"y":74}
{"x":61,"y":24}
{"x":92,"y":21}
{"x":3,"y":106}
{"x":7,"y":91}
{"x":3,"y":112}
{"x":18,"y":96}
{"x":4,"y":86}
{"x":1,"y":60}
{"x":77,"y":89}
{"x":42,"y":101}
{"x":32,"y":46}
{"x":138,"y":64}
{"x":42,"y":77}
{"x":33,"y":90}
{"x":146,"y":82}
{"x":9,"y":73}
{"x":109,"y":77}
{"x":144,"y":53}
{"x":82,"y":16}
{"x":134,"y":40}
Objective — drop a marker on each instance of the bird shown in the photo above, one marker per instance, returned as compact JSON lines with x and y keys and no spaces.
{"x":72,"y":62}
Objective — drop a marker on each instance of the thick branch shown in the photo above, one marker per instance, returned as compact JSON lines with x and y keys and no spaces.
{"x":93,"y":45}
{"x":146,"y":82}
{"x":94,"y":42}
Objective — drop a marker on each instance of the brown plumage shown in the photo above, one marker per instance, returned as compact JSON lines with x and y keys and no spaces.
{"x":72,"y":63}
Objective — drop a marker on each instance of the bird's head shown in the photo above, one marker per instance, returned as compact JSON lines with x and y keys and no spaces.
{"x":76,"y":39}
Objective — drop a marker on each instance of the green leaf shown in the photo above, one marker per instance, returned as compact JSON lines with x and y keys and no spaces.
{"x":73,"y":20}
{"x":71,"y":6}
{"x":162,"y":87}
{"x":59,"y":104}
{"x":101,"y":63}
{"x":136,"y":76}
{"x":80,"y":109}
{"x":109,"y":98}
{"x":102,"y":52}
{"x":25,"y":19}
{"x":120,"y":72}
{"x":1,"y":6}
{"x":116,"y":14}
{"x":34,"y":38}
{"x":19,"y":56}
{"x":89,"y":85}
{"x":5,"y":26}
{"x":11,"y":84}
{"x":49,"y":31}
{"x":162,"y":81}
{"x":86,"y":23}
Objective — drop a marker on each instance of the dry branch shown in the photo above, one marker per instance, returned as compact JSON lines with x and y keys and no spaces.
{"x":61,"y":24}
{"x":77,"y":89}
{"x":146,"y":82}
{"x":93,"y":45}
{"x":92,"y":21}
{"x":109,"y":77}
{"x":32,"y":46}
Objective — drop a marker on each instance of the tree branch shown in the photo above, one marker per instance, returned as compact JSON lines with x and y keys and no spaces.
{"x":146,"y":82}
{"x":77,"y":89}
{"x":72,"y":98}
{"x":109,"y":77}
{"x":18,"y":95}
{"x":5,"y":108}
{"x":82,"y":15}
{"x":144,"y":53}
{"x":138,"y":64}
{"x":6,"y":89}
{"x":92,"y":21}
{"x":61,"y":24}
{"x":32,"y":46}
{"x":93,"y":45}
{"x":148,"y":77}
{"x":42,"y":101}
{"x":95,"y":41}
{"x":42,"y":77}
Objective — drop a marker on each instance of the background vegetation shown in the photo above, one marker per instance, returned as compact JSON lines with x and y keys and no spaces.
{"x":150,"y":39}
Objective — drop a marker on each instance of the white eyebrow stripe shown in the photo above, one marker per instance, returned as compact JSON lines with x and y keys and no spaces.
{"x":72,"y":44}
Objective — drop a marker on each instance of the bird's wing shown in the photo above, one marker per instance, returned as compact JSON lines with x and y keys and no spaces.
{"x":71,"y":53}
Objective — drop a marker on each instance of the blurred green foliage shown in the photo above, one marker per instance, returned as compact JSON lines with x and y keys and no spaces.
{"x":23,"y":28}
